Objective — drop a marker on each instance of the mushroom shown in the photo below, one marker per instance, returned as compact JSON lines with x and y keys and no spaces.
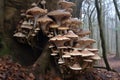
{"x":63,"y":29}
{"x":65,"y":4}
{"x":59,"y":15}
{"x":54,"y":27}
{"x":43,"y":21}
{"x":93,"y":50}
{"x":86,"y":41}
{"x":82,"y":33}
{"x":43,"y":2}
{"x":86,"y":53}
{"x":36,"y":12}
{"x":75,"y":67}
{"x":72,"y":36}
{"x":95,"y":57}
{"x":19,"y":35}
{"x":87,"y":63}
{"x":59,"y":40}
{"x":60,"y":61}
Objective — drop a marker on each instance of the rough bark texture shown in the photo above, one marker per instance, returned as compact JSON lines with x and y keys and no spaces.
{"x":100,"y":23}
{"x":77,"y":8}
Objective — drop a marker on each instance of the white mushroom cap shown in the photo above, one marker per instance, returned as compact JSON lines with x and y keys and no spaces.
{"x":66,"y":55}
{"x":60,"y":61}
{"x":19,"y":34}
{"x":75,"y":67}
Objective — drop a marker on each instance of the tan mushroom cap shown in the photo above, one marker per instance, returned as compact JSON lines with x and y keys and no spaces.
{"x":54,"y":26}
{"x":93,"y":49}
{"x":95,"y":57}
{"x":66,"y":4}
{"x":44,"y":19}
{"x":86,"y":39}
{"x":71,"y":34}
{"x":63,"y":28}
{"x":53,"y":54}
{"x":33,"y":4}
{"x":36,"y":11}
{"x":60,"y":13}
{"x":75,"y":52}
{"x":19,"y":34}
{"x":75,"y":66}
{"x":59,"y":40}
{"x":83,"y":33}
{"x":86,"y":53}
{"x":75,"y":21}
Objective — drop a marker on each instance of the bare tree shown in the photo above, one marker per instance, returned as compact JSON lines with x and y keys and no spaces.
{"x":98,"y":5}
{"x":116,"y":8}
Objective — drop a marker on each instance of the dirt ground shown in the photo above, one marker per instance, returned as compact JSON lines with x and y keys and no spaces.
{"x":113,"y":61}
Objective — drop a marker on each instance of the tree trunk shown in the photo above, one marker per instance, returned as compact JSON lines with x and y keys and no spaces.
{"x":116,"y":8}
{"x":77,"y":9}
{"x":100,"y":23}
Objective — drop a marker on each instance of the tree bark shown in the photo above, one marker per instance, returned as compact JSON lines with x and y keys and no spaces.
{"x":100,"y":23}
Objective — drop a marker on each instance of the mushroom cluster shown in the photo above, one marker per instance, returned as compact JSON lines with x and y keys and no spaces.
{"x":68,"y":43}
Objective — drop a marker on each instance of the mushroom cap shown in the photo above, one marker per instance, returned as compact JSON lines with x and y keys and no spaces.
{"x":59,"y":14}
{"x":60,"y":61}
{"x":33,"y":4}
{"x":66,"y":21}
{"x":86,"y":39}
{"x":86,"y":53}
{"x":75,"y":52}
{"x":59,"y":38}
{"x":75,"y":21}
{"x":83,"y":33}
{"x":53,"y":54}
{"x":25,"y":23}
{"x":44,"y":19}
{"x":75,"y":67}
{"x":54,"y":26}
{"x":66,"y":55}
{"x":19,"y":34}
{"x":95,"y":57}
{"x":37,"y":29}
{"x":36,"y":11}
{"x":71,"y":34}
{"x":63,"y":28}
{"x":88,"y":60}
{"x":66,"y":4}
{"x":93,"y":49}
{"x":27,"y":27}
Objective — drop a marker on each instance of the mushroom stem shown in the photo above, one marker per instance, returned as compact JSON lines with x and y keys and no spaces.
{"x":35,"y":20}
{"x":55,"y":33}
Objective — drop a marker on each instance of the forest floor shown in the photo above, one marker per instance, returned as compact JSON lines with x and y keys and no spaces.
{"x":113,"y":61}
{"x":10,"y":70}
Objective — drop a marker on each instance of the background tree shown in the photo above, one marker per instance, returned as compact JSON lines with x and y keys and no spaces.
{"x":98,"y":5}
